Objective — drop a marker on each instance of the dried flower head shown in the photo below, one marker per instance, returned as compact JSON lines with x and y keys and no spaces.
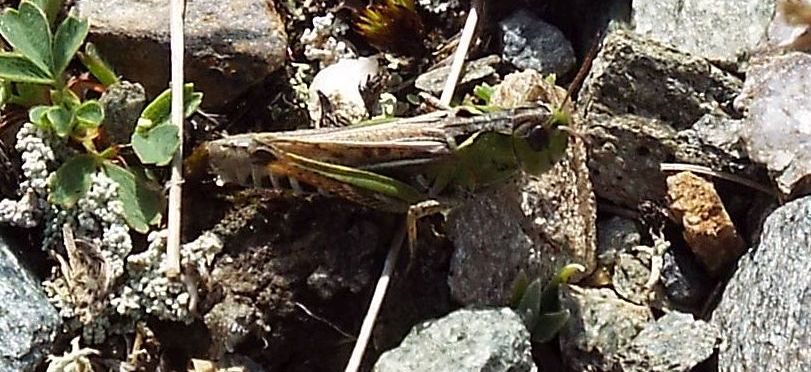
{"x":391,"y":25}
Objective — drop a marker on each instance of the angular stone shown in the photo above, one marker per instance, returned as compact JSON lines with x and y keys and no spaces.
{"x":601,"y":325}
{"x":764,"y":314}
{"x":703,"y":27}
{"x":123,"y":102}
{"x":28,"y":322}
{"x":645,"y":104}
{"x":674,"y":343}
{"x":534,"y":224}
{"x":708,"y":229}
{"x":465,"y":340}
{"x":776,"y":97}
{"x":230,"y":44}
{"x":686,"y":283}
{"x":530,"y":43}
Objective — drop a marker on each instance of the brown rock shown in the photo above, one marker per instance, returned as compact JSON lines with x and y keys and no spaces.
{"x":708,"y":229}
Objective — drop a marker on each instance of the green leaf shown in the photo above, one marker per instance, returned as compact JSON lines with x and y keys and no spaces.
{"x":97,"y":66}
{"x":27,"y":31}
{"x":15,"y":67}
{"x":72,"y":180}
{"x":37,"y":114}
{"x":549,"y":324}
{"x":160,"y":109}
{"x":157,"y":145}
{"x":90,"y":114}
{"x":66,"y":98}
{"x":549,"y":298}
{"x":484,"y":92}
{"x":142,"y":199}
{"x":69,"y":37}
{"x":50,"y":7}
{"x":530,"y":305}
{"x":519,"y":287}
{"x":61,"y":119}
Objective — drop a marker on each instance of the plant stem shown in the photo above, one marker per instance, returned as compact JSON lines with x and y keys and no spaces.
{"x":461,"y":52}
{"x":176,"y":182}
{"x":377,"y":301}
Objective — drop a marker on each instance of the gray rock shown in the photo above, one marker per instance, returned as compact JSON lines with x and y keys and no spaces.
{"x":123,"y":103}
{"x":631,"y":275}
{"x":534,"y":224}
{"x":776,"y":95}
{"x":434,"y":81}
{"x":675,"y":342}
{"x":230,"y":44}
{"x":600,"y":326}
{"x":465,"y":340}
{"x":686,"y":283}
{"x":28,"y":322}
{"x":646,"y":104}
{"x":707,"y":28}
{"x":530,"y":43}
{"x":634,"y":75}
{"x":764,"y":312}
{"x":615,"y":235}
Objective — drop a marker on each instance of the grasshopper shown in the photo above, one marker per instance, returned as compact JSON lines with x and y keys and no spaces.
{"x":412,"y":165}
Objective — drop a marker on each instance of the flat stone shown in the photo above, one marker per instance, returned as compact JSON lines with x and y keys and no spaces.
{"x":705,"y":27}
{"x":534,"y":224}
{"x":230,"y":44}
{"x":465,"y":340}
{"x":764,"y":315}
{"x":530,"y":43}
{"x":601,"y":325}
{"x":434,"y":81}
{"x":776,"y":97}
{"x":674,"y":343}
{"x":28,"y":322}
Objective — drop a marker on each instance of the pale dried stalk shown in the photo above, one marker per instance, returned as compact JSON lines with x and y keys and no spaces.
{"x":700,"y":169}
{"x":176,"y":182}
{"x":461,"y":53}
{"x":377,"y":301}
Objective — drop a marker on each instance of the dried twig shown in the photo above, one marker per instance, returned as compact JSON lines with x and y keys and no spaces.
{"x":465,"y":40}
{"x":176,"y":182}
{"x":700,"y":169}
{"x":377,"y":300}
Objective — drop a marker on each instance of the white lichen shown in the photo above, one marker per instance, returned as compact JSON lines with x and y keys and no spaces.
{"x":34,"y":146}
{"x":439,"y":6}
{"x":320,"y":43}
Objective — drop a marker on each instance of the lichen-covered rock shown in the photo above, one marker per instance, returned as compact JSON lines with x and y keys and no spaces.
{"x":600,"y":326}
{"x":534,"y":224}
{"x":708,"y":229}
{"x":776,"y":96}
{"x":230,"y":44}
{"x":465,"y":340}
{"x":764,"y":313}
{"x":530,"y":43}
{"x":705,"y":27}
{"x":674,"y":343}
{"x":28,"y":322}
{"x":343,"y":84}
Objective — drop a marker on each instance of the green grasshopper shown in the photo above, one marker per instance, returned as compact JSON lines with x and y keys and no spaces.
{"x":409,"y":166}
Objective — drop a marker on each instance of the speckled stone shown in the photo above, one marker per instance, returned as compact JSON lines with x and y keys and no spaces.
{"x":465,"y":340}
{"x":716,"y":29}
{"x":765,"y":312}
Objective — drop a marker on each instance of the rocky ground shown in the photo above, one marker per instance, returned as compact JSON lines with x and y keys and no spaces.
{"x":683,"y":195}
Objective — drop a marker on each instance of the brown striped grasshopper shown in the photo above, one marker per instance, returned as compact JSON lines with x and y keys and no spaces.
{"x":412,"y":165}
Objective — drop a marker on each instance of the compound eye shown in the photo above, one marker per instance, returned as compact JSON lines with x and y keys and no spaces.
{"x":538,"y":138}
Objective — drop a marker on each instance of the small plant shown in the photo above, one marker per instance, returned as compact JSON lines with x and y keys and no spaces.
{"x":539,"y":306}
{"x":391,"y":25}
{"x":34,"y":76}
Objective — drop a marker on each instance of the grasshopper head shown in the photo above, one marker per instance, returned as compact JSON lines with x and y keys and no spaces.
{"x":539,"y":141}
